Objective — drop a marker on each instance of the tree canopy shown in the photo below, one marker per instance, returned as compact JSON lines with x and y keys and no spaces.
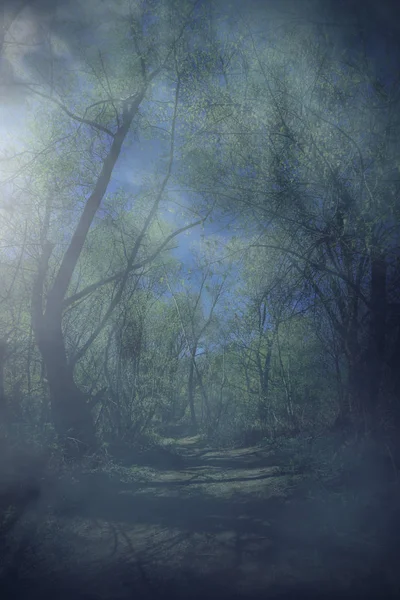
{"x":199,"y":218}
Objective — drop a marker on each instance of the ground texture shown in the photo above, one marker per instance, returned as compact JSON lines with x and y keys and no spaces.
{"x":199,"y":522}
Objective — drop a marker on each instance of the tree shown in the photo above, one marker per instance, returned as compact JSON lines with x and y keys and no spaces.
{"x":98,"y":122}
{"x":306,"y":162}
{"x":194,"y":320}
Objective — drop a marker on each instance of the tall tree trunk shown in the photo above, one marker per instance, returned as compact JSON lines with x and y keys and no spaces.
{"x":351,"y":407}
{"x":394,"y":365}
{"x":71,"y":415}
{"x":70,"y":412}
{"x":377,"y":337}
{"x":264,"y":375}
{"x":191,"y":389}
{"x":3,"y":353}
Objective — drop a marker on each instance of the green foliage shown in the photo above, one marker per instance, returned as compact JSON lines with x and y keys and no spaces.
{"x":287,"y":140}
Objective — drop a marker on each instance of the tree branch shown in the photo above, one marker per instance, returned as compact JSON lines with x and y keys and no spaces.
{"x":317,"y":266}
{"x":72,"y":115}
{"x":73,"y":252}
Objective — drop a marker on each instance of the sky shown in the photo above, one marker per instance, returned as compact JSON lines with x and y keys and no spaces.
{"x":32,"y":21}
{"x":29,"y":31}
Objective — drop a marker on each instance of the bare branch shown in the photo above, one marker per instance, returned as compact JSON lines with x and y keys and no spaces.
{"x":318,"y":267}
{"x":102,"y":282}
{"x":72,"y":115}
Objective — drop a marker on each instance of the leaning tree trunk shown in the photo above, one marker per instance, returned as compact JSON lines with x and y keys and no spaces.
{"x":70,"y":412}
{"x":71,"y":415}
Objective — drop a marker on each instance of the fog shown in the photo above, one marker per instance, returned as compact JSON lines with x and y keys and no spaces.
{"x":200,"y":291}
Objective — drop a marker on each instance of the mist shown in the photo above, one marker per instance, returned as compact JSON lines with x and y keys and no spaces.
{"x":200,"y":299}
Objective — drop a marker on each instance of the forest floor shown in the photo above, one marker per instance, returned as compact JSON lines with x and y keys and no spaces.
{"x":201,"y":522}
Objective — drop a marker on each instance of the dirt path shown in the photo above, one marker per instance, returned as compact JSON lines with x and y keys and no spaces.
{"x":226,"y":517}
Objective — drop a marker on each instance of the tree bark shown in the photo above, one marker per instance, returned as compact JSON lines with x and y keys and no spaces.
{"x":3,"y":353}
{"x":191,"y":387}
{"x":377,"y":337}
{"x":70,"y":411}
{"x":264,"y":376}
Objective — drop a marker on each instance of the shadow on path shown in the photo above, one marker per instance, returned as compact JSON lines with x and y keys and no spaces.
{"x":233,"y":529}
